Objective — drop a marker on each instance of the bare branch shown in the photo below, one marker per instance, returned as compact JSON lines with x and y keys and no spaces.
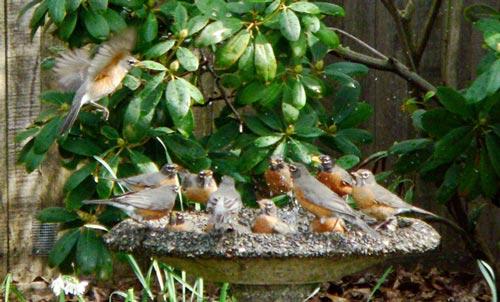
{"x":426,"y":32}
{"x":403,"y":34}
{"x":360,"y":42}
{"x":389,"y":64}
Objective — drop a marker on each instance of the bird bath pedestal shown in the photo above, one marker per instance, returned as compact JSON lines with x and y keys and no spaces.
{"x":271,"y":267}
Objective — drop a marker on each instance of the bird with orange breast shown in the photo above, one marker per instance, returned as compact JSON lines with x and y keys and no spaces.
{"x":333,"y":176}
{"x":377,"y":201}
{"x":148,"y":204}
{"x":327,"y":225}
{"x":278,"y":176}
{"x":93,"y":78}
{"x":199,"y":187}
{"x":268,"y":221}
{"x":318,"y":199}
{"x":165,"y":177}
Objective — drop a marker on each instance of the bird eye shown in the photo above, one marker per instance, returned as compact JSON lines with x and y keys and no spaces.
{"x":131,"y":62}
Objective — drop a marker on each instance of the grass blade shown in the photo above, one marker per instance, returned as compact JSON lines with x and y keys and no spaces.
{"x":6,"y":286}
{"x":169,"y":160}
{"x":223,"y":292}
{"x":200,"y":290}
{"x":172,"y":294}
{"x":110,"y":171}
{"x":159,"y":278}
{"x":315,"y":291}
{"x":137,"y":271}
{"x":380,"y":281}
{"x":130,"y":295}
{"x":489,"y":276}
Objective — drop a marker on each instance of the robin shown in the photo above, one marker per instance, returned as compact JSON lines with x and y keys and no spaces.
{"x":321,"y":201}
{"x":165,"y":177}
{"x":96,"y":77}
{"x":333,"y":176}
{"x":278,"y":176}
{"x":199,"y":187}
{"x":148,"y":204}
{"x":177,"y":223}
{"x":329,"y":224}
{"x":378,"y":202}
{"x":224,"y":205}
{"x":268,"y":221}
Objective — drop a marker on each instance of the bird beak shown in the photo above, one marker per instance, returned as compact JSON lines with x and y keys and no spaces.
{"x":355,"y":174}
{"x":138,"y":64}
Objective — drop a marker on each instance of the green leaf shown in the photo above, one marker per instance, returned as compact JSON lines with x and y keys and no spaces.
{"x":361,"y":112}
{"x":47,"y":136}
{"x":289,"y":25}
{"x":196,"y":24}
{"x":308,"y":132}
{"x":453,"y":144}
{"x":216,"y":9}
{"x":67,"y":26}
{"x":491,"y":31}
{"x":223,"y":137}
{"x":57,"y":10}
{"x":328,"y":37}
{"x":56,"y":215}
{"x":178,"y":98}
{"x":330,"y":9}
{"x":194,"y":92}
{"x":347,"y":161}
{"x":266,"y":141}
{"x":305,"y":7}
{"x":487,"y":174}
{"x":343,"y":144}
{"x":453,"y":101}
{"x":63,"y":247}
{"x":409,"y":145}
{"x":228,"y":54}
{"x":87,"y":251}
{"x":104,"y":269}
{"x":485,"y":85}
{"x":159,"y":49}
{"x":357,"y":136}
{"x":79,"y":176}
{"x":187,"y":59}
{"x":251,"y":157}
{"x":251,"y":93}
{"x":438,"y":122}
{"x":149,"y":30}
{"x":180,"y":17}
{"x":73,"y":5}
{"x":349,"y":68}
{"x":299,"y":151}
{"x":265,"y":62}
{"x":38,"y":17}
{"x":256,"y":126}
{"x":478,"y":11}
{"x":218,"y":31}
{"x":96,"y":25}
{"x":271,"y":95}
{"x":298,"y":95}
{"x":313,"y":85}
{"x":98,"y":6}
{"x":185,"y":148}
{"x":81,"y":146}
{"x":27,"y":133}
{"x":493,"y":147}
{"x":56,"y":97}
{"x":153,"y":65}
{"x":299,"y":47}
{"x":271,"y":119}
{"x":142,"y":163}
{"x":290,"y":113}
{"x":105,"y":186}
{"x":115,"y":21}
{"x":468,"y":185}
{"x":128,"y":3}
{"x":131,"y":82}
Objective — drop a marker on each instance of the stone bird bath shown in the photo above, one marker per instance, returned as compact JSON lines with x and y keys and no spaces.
{"x":271,"y":267}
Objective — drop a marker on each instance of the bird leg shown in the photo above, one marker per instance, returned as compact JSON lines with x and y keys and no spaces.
{"x":385,"y":223}
{"x":101,"y":108}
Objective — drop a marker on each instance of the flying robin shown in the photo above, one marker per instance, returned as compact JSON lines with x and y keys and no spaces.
{"x":267,"y":221}
{"x":321,"y":201}
{"x":165,"y":177}
{"x":326,"y":225}
{"x":333,"y":176}
{"x":96,"y":77}
{"x":148,"y":204}
{"x":224,"y":205}
{"x":177,"y":223}
{"x":199,"y":187}
{"x":378,"y":202}
{"x":278,"y":176}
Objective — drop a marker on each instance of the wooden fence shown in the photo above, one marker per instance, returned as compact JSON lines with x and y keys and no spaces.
{"x":23,"y":240}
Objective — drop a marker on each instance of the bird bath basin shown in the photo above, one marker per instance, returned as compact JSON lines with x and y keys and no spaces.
{"x":271,"y":267}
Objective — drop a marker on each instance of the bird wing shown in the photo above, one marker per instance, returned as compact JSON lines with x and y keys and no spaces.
{"x":344,"y":175}
{"x":146,"y":180}
{"x":112,"y":51}
{"x":189,"y":180}
{"x":71,"y":69}
{"x":322,"y":196}
{"x":386,"y":197}
{"x":161,"y":198}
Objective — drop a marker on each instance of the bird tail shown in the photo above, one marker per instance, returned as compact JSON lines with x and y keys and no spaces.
{"x":415,"y":210}
{"x":73,"y":112}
